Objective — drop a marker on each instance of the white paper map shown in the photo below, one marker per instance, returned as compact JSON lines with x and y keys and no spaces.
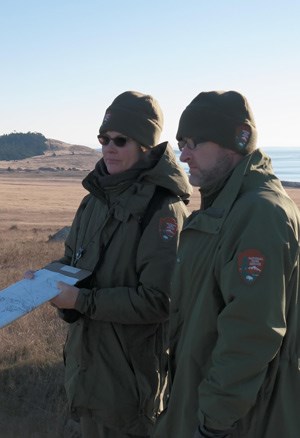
{"x":24,"y":296}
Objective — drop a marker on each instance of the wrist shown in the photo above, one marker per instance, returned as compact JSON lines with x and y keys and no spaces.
{"x":82,"y":302}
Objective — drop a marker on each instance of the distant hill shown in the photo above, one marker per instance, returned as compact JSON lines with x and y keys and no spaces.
{"x":33,"y":151}
{"x":17,"y":146}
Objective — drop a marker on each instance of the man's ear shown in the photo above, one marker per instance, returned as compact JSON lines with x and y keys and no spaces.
{"x":242,"y":137}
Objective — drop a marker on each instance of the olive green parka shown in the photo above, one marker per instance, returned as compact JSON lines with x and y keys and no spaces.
{"x":235,"y":313}
{"x":115,"y":353}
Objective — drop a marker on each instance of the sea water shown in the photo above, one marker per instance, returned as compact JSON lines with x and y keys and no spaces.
{"x":285,"y":162}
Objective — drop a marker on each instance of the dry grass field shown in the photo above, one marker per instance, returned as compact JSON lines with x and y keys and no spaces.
{"x":32,"y":208}
{"x":32,"y":399}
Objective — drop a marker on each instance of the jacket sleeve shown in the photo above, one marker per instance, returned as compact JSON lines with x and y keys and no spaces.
{"x":70,"y":243}
{"x":149,"y":301}
{"x":255,"y":262}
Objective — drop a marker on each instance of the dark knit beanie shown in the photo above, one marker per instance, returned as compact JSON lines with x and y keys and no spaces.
{"x":223,"y":117}
{"x":135,"y":115}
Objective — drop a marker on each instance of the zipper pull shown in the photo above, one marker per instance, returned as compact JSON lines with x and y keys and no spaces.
{"x":78,"y":255}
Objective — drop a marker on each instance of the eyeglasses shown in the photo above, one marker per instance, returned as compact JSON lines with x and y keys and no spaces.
{"x":119,"y":141}
{"x":190,"y":145}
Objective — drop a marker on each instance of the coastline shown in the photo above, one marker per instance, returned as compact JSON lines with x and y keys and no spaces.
{"x":292,"y":189}
{"x":290,"y":184}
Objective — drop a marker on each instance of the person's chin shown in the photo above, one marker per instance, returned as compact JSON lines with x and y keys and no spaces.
{"x":113,"y":168}
{"x":194,"y":179}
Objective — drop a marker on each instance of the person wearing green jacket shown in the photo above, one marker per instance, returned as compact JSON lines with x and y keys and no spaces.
{"x":125,"y":232}
{"x":235,"y":309}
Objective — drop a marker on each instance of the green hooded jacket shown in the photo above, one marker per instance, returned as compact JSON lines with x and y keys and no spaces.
{"x":115,"y":353}
{"x":235,"y":313}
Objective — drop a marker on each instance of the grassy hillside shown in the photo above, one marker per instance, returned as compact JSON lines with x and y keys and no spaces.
{"x":33,"y":152}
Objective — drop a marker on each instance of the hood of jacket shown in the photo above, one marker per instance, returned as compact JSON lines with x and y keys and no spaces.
{"x":253,"y":172}
{"x":160,"y":169}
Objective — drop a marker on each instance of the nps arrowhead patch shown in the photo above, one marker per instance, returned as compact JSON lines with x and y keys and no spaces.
{"x":251,"y":263}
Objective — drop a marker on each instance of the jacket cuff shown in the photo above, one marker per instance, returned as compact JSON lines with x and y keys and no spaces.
{"x":82,"y":302}
{"x":213,"y":433}
{"x":208,"y":426}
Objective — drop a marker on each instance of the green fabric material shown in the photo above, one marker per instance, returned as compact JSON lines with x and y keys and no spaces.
{"x":115,"y":354}
{"x":220,"y":117}
{"x":234,"y":342}
{"x":209,"y":194}
{"x":91,"y":428}
{"x":135,"y":115}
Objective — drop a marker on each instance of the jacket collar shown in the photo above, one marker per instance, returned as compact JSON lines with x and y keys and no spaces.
{"x":211,"y":220}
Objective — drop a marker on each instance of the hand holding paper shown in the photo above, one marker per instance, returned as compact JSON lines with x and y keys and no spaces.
{"x":24,"y":296}
{"x":67,"y":296}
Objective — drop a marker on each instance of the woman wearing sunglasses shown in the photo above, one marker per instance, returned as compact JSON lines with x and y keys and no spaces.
{"x":125,"y":232}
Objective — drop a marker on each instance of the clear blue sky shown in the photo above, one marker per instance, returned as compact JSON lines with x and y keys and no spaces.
{"x":64,"y":61}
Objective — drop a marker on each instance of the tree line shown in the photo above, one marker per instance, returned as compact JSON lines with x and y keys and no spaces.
{"x":18,"y":145}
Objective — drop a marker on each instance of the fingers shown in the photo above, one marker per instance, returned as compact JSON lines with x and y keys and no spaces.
{"x":61,"y":285}
{"x":67,"y":296}
{"x":29,"y":275}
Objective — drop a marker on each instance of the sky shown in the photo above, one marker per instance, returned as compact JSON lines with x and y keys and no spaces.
{"x":64,"y":61}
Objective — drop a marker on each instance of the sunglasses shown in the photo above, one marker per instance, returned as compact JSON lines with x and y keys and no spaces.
{"x":119,"y":141}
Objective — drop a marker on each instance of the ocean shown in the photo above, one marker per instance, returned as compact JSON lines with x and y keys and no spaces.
{"x":285,"y":161}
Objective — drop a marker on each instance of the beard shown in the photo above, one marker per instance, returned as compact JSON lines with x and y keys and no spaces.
{"x":208,"y":177}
